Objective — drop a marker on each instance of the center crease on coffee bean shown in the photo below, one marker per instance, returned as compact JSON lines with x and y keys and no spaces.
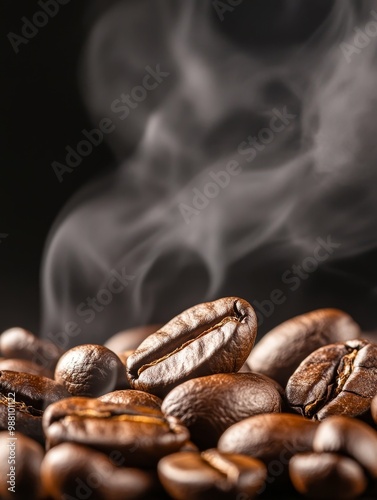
{"x":342,"y":373}
{"x":21,"y":406}
{"x":228,"y":319}
{"x":227,"y":469}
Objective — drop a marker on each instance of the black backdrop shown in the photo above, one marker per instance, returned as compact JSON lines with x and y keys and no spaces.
{"x":41,"y":113}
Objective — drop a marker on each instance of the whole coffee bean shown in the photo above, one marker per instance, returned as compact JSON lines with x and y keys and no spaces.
{"x":280,"y":351}
{"x":20,"y":461}
{"x":211,"y":474}
{"x":25,"y":366}
{"x":214,"y":337}
{"x":275,"y":436}
{"x":327,"y":475}
{"x":338,"y":379}
{"x":131,"y":397}
{"x":27,"y":396}
{"x":88,"y":370}
{"x":142,"y":434}
{"x":374,"y":408}
{"x":350,"y":437}
{"x":129,"y":340}
{"x":209,"y":405}
{"x":22,"y":344}
{"x":75,"y":471}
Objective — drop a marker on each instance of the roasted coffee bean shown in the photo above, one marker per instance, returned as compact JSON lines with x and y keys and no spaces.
{"x":374,"y":409}
{"x":327,"y":476}
{"x":280,"y":351}
{"x":20,"y":461}
{"x":350,"y":437}
{"x":215,"y":337}
{"x":129,"y":340}
{"x":89,"y":370}
{"x":22,"y":344}
{"x":75,"y":471}
{"x":275,"y":436}
{"x":142,"y":434}
{"x":338,"y":379}
{"x":211,"y":475}
{"x":209,"y":405}
{"x":131,"y":397}
{"x":25,"y":366}
{"x":29,"y":395}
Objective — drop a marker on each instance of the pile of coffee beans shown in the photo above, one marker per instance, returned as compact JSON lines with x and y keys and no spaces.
{"x":190,"y":411}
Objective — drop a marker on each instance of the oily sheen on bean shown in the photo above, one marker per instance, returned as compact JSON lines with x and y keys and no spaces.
{"x":214,"y":337}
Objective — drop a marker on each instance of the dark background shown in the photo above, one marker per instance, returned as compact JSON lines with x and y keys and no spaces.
{"x":41,"y":113}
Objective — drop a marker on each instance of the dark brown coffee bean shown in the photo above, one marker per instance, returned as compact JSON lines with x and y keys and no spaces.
{"x":22,"y":344}
{"x":75,"y":471}
{"x":211,"y":475}
{"x":142,"y":434}
{"x":129,"y":340}
{"x":29,"y":395}
{"x":20,"y":461}
{"x":327,"y":476}
{"x":89,"y":370}
{"x":280,"y":351}
{"x":131,"y":397}
{"x":275,"y":436}
{"x":215,"y":337}
{"x":209,"y":405}
{"x":350,"y":437}
{"x":338,"y":379}
{"x":25,"y":366}
{"x":374,"y":408}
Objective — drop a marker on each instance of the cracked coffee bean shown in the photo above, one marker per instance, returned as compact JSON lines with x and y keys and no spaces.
{"x":338,"y":379}
{"x":274,"y":436}
{"x":30,"y":395}
{"x":23,"y":457}
{"x":327,"y":476}
{"x":280,"y":351}
{"x":74,"y":471}
{"x":211,"y":474}
{"x":132,"y":397}
{"x":142,"y":434}
{"x":89,"y":370}
{"x":209,"y":405}
{"x":350,"y":437}
{"x":22,"y":344}
{"x":214,"y":337}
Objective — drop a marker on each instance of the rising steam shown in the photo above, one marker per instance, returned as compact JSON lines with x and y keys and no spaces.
{"x":314,"y":179}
